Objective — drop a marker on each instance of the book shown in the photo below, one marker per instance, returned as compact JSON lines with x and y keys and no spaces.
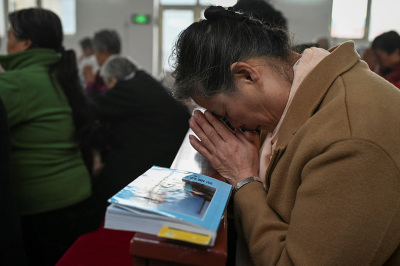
{"x":170,"y":203}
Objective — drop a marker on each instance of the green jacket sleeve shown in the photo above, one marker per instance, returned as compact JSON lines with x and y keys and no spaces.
{"x":13,"y":98}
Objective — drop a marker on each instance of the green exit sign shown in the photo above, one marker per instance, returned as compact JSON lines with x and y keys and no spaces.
{"x":141,"y":18}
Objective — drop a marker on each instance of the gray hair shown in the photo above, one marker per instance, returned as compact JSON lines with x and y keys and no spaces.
{"x":107,"y":41}
{"x":119,"y":67}
{"x":206,"y":50}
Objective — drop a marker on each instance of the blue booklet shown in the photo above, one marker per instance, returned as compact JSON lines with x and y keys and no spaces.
{"x":170,"y":203}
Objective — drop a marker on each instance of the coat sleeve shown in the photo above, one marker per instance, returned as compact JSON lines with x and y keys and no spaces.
{"x":346,"y":211}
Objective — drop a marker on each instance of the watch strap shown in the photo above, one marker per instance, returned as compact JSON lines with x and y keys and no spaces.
{"x":244,"y":182}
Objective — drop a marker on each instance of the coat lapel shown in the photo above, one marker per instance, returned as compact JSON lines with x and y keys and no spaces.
{"x":310,"y":95}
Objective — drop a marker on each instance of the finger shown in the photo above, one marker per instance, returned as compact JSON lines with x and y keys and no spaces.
{"x":202,"y":136}
{"x":208,"y":133}
{"x":197,"y":145}
{"x":220,"y":127}
{"x":248,"y":137}
{"x":253,"y":137}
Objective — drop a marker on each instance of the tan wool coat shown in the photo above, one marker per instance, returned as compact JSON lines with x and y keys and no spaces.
{"x":333,"y":193}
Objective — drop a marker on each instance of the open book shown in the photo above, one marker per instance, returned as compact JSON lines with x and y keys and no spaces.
{"x":170,"y":203}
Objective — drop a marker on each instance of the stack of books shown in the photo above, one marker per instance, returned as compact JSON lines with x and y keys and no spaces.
{"x":170,"y":203}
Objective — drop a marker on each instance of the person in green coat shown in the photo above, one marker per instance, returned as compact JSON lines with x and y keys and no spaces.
{"x":48,"y":116}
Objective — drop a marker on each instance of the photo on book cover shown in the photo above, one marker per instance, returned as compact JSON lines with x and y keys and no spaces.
{"x":176,"y":192}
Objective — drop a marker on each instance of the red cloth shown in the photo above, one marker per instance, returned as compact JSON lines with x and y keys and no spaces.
{"x":102,"y":247}
{"x":97,"y":87}
{"x":393,"y":76}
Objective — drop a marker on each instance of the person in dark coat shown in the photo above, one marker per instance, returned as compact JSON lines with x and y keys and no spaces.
{"x":142,"y":125}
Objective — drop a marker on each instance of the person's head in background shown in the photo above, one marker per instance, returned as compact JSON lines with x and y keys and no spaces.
{"x":106,"y":43}
{"x":116,"y":69}
{"x":86,"y":46}
{"x":322,"y":42}
{"x":41,"y":28}
{"x":262,"y":10}
{"x":34,"y":28}
{"x":387,"y":49}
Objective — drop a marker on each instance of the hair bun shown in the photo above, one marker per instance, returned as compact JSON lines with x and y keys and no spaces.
{"x":214,"y":12}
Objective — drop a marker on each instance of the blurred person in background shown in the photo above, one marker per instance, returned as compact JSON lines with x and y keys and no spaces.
{"x":142,"y":125}
{"x":264,"y":11}
{"x":106,"y":44}
{"x":47,"y":115}
{"x":87,"y":59}
{"x":387,"y":51}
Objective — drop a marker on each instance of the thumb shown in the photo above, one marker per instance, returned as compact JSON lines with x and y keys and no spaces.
{"x":253,"y":137}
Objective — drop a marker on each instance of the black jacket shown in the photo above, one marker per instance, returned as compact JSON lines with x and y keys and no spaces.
{"x":143,"y":126}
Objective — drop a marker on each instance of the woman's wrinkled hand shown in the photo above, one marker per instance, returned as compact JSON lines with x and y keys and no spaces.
{"x":234,"y":154}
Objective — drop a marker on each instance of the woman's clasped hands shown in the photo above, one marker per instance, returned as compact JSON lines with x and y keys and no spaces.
{"x":233,"y":154}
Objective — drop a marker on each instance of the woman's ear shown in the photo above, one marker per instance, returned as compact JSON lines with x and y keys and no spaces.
{"x":243,"y":70}
{"x":26,"y":44}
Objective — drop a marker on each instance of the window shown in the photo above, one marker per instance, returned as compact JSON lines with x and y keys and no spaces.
{"x":364,"y":19}
{"x":65,"y":9}
{"x":175,"y":16}
{"x":173,"y":22}
{"x":20,"y":4}
{"x":348,"y":18}
{"x":2,"y":24}
{"x":384,"y":17}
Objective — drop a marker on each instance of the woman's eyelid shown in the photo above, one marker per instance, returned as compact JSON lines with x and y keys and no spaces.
{"x":226,"y":114}
{"x":218,"y":115}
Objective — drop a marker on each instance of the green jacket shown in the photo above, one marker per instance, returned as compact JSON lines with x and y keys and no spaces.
{"x":47,"y":169}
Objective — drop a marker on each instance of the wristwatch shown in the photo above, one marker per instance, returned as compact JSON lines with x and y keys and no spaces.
{"x":243,"y":182}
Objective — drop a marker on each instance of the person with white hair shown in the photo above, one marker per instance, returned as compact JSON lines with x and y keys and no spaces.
{"x":143,"y":125}
{"x":119,"y":68}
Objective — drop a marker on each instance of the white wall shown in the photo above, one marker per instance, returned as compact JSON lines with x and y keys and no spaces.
{"x":137,"y":40}
{"x":307,"y":19}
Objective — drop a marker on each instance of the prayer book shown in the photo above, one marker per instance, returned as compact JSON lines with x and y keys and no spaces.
{"x":170,"y":203}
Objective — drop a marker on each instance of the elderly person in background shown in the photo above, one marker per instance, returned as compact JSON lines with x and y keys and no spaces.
{"x":144,"y":125}
{"x":386,"y":48}
{"x":106,"y":44}
{"x":264,"y":11}
{"x":321,"y":185}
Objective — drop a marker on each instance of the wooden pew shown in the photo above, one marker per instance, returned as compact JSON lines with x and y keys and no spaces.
{"x":152,"y":250}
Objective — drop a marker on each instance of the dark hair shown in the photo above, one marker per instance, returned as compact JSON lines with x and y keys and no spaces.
{"x":43,"y":28}
{"x":387,"y":42}
{"x":107,"y":41}
{"x":206,"y":50}
{"x":263,"y":11}
{"x":86,"y":43}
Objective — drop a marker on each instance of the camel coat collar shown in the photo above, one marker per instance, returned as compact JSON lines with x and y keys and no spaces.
{"x":313,"y":90}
